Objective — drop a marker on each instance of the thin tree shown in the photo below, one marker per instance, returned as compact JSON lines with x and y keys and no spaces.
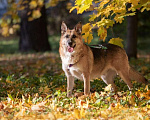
{"x":132,"y":23}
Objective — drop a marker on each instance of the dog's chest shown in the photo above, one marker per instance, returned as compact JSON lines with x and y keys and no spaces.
{"x":75,"y":71}
{"x":70,"y":58}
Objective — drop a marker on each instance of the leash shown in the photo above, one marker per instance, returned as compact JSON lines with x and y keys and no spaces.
{"x":98,"y":46}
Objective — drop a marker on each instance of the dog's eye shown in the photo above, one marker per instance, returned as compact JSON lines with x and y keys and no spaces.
{"x":74,"y":36}
{"x":67,"y":36}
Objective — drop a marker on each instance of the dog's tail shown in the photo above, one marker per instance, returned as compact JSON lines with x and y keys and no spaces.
{"x":135,"y":75}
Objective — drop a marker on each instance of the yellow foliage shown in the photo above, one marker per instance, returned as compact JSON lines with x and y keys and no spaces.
{"x":88,"y":37}
{"x":102,"y":33}
{"x":53,"y":3}
{"x":134,"y":2}
{"x":36,"y":14}
{"x":82,"y":9}
{"x":40,"y":2}
{"x":81,"y":6}
{"x":118,"y":18}
{"x":116,"y":41}
{"x":75,"y":7}
{"x":86,"y":28}
{"x":5,"y":31}
{"x":77,"y":114}
{"x":33,"y":4}
{"x":4,"y":23}
{"x":110,"y":12}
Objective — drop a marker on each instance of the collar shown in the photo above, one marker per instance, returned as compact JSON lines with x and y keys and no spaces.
{"x":70,"y":65}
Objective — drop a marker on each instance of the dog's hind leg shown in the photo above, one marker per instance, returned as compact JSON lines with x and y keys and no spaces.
{"x":108,"y":78}
{"x":124,"y":74}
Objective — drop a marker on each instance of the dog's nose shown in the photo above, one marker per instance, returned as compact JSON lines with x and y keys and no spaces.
{"x":70,"y":43}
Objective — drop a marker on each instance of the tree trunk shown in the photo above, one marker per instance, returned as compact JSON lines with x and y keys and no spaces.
{"x":132,"y":36}
{"x":33,"y":34}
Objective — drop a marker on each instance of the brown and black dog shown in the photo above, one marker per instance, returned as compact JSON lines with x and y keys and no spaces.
{"x":87,"y":63}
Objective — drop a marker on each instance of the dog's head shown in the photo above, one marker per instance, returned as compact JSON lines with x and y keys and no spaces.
{"x":71,"y":39}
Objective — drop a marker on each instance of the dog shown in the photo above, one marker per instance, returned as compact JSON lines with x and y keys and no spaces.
{"x":87,"y":63}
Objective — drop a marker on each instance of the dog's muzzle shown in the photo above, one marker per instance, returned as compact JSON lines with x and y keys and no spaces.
{"x":71,"y":49}
{"x":71,"y":46}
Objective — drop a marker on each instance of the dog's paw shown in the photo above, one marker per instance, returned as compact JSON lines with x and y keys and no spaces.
{"x":78,"y":94}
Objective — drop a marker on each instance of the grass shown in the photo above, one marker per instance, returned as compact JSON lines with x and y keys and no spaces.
{"x":9,"y":46}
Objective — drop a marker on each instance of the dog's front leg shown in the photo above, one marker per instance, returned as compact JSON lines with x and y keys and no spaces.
{"x":70,"y":79}
{"x":86,"y":78}
{"x":70,"y":84}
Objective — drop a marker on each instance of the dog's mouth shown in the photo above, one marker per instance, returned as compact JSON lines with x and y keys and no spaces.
{"x":70,"y":48}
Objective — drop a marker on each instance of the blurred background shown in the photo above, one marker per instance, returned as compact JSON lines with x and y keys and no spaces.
{"x":43,"y":33}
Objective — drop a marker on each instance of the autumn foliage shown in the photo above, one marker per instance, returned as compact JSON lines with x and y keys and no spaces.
{"x":33,"y":86}
{"x":106,"y":13}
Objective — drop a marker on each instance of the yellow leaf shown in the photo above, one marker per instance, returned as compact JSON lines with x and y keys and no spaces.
{"x":82,"y":113}
{"x":118,"y":19}
{"x":36,"y":14}
{"x":108,"y":99}
{"x":134,"y":2}
{"x":92,"y":17}
{"x":82,"y":9}
{"x":75,"y":7}
{"x":86,"y":36}
{"x":108,"y":88}
{"x":40,"y":2}
{"x":5,"y":31}
{"x":146,"y":88}
{"x":116,"y":41}
{"x":78,"y":2}
{"x":102,"y":32}
{"x":104,"y":114}
{"x":86,"y":28}
{"x":33,"y":4}
{"x":76,"y":114}
{"x":4,"y":23}
{"x":90,"y":37}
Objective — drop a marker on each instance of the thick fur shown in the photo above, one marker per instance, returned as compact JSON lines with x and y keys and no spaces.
{"x":87,"y":63}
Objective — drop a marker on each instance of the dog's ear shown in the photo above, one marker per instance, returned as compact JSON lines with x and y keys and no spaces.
{"x":78,"y":28}
{"x":63,"y":28}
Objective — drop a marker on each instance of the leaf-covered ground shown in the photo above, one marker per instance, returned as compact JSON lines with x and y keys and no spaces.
{"x":33,"y":86}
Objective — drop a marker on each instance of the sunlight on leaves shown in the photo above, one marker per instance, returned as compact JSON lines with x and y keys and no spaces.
{"x":116,"y":41}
